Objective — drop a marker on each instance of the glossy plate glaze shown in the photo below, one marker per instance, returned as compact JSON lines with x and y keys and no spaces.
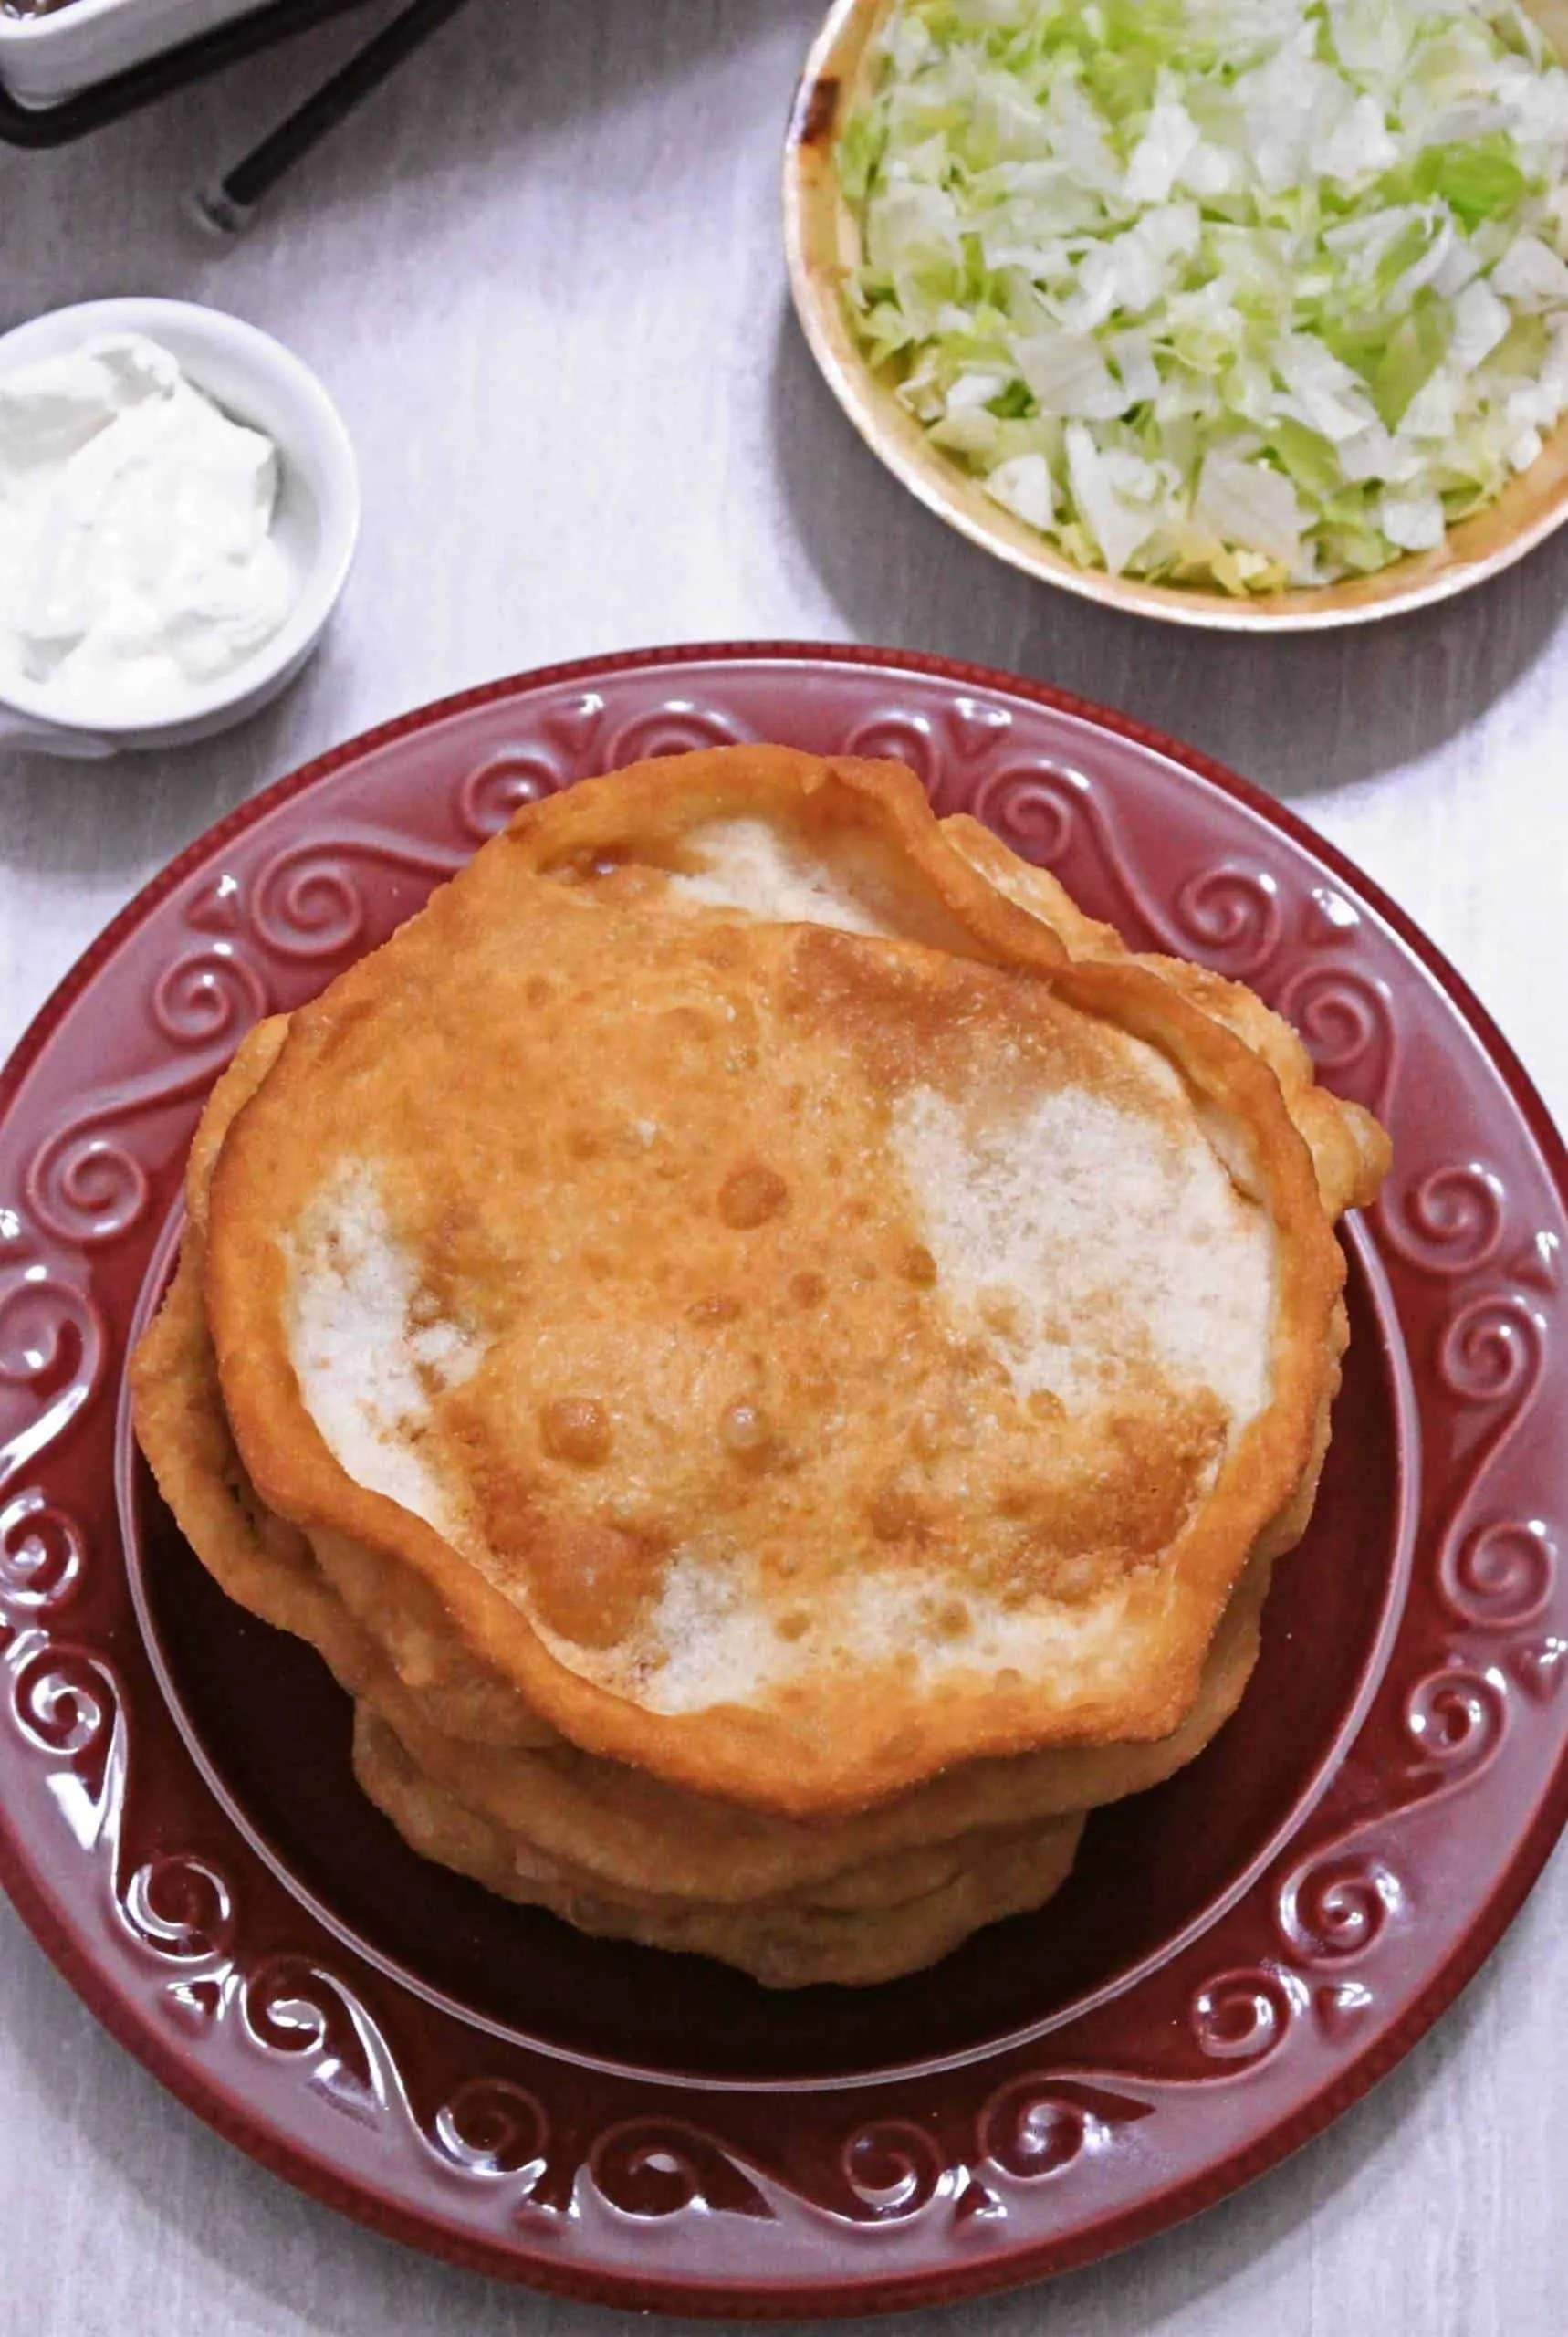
{"x":1237,"y":1956}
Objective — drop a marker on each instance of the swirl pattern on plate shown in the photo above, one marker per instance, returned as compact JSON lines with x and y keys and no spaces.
{"x":1034,"y":2145}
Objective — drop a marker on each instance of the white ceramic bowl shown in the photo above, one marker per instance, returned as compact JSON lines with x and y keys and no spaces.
{"x":257,"y":380}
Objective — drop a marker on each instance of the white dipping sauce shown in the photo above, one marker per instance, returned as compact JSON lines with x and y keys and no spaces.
{"x":137,"y":561}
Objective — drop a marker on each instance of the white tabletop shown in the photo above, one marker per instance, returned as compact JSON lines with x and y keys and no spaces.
{"x":542,"y":275}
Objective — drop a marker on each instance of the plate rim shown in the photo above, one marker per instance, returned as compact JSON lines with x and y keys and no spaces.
{"x":877,"y":2291}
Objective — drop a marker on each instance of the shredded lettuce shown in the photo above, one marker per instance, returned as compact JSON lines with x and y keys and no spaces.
{"x":1247,"y":293}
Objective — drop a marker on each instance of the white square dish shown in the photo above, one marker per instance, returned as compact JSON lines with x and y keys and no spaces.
{"x":46,"y":58}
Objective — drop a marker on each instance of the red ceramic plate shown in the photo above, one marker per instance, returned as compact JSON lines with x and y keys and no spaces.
{"x":1237,"y":1957}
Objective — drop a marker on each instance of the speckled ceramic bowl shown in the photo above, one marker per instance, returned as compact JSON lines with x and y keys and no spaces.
{"x":822,"y":242}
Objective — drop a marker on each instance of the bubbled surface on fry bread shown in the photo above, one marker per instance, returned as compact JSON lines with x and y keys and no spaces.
{"x":783,"y":1300}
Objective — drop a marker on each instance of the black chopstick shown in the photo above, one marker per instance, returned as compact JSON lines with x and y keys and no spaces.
{"x":228,"y":205}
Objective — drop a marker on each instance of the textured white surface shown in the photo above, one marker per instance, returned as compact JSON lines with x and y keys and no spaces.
{"x":542,"y":275}
{"x":1117,"y":1248}
{"x":746,"y":864}
{"x":360,"y":1359}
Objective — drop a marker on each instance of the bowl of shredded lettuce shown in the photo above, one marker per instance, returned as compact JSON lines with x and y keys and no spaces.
{"x":1247,"y":313}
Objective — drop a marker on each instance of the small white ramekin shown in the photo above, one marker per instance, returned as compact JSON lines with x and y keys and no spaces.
{"x":257,"y":380}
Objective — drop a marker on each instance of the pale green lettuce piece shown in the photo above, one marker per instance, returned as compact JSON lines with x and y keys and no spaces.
{"x":1023,"y":483}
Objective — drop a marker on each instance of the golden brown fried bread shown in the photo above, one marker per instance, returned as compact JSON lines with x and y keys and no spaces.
{"x":629,"y":1832}
{"x":805,"y":1320}
{"x":1350,"y":1150}
{"x":634,"y":1833}
{"x":783,"y":1946}
{"x":619,"y":1829}
{"x":605,"y":1830}
{"x":448,"y":1740}
{"x":263,"y":1563}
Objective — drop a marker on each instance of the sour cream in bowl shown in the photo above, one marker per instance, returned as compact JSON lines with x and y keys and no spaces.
{"x":179,"y":506}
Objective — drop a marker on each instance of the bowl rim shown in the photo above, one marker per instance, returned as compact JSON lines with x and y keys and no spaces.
{"x":336,"y":497}
{"x":809,"y":177}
